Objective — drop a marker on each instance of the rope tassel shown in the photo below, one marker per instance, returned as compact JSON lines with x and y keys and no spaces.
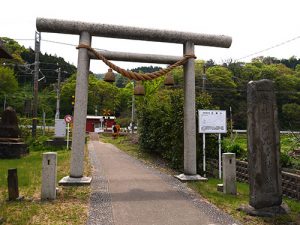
{"x":134,"y":75}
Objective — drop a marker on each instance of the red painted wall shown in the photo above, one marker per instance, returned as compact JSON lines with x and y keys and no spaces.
{"x":90,"y":124}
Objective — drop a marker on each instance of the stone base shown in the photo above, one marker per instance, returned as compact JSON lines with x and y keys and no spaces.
{"x":71,"y":181}
{"x":196,"y":177}
{"x":220,"y":187}
{"x":265,"y":212}
{"x":58,"y":142}
{"x":13,"y":150}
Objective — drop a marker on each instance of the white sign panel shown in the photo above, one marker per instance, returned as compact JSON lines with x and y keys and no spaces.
{"x":60,"y":128}
{"x":212,"y":121}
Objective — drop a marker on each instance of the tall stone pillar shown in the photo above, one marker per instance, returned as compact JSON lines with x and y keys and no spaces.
{"x":263,"y":150}
{"x":80,"y":112}
{"x":189,"y":130}
{"x":189,"y":113}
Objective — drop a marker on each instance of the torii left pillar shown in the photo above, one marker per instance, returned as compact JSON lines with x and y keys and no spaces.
{"x":80,"y":111}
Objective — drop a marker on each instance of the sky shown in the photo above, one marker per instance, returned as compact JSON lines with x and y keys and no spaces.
{"x":254,"y":25}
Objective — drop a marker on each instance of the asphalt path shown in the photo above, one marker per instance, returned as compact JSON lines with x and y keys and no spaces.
{"x":125,"y":191}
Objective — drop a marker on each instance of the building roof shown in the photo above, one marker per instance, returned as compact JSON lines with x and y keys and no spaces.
{"x":100,"y":117}
{"x":4,"y":53}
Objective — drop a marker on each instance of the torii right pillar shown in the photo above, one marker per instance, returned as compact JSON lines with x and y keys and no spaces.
{"x":190,"y":158}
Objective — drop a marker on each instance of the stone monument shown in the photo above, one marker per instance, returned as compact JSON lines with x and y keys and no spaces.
{"x":229,"y":173}
{"x":263,"y":151}
{"x":11,"y":145}
{"x":49,"y":173}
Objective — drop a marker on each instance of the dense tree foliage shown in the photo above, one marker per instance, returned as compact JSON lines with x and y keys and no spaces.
{"x":225,"y":84}
{"x":160,"y":122}
{"x":101,"y":96}
{"x":23,"y":64}
{"x":8,"y":82}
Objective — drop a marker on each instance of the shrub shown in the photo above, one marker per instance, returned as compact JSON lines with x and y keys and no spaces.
{"x":235,"y":148}
{"x":285,"y":160}
{"x":160,"y":119}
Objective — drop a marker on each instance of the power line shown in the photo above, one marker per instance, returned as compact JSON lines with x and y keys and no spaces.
{"x":68,"y":44}
{"x":23,"y":39}
{"x":267,"y":49}
{"x":58,"y":42}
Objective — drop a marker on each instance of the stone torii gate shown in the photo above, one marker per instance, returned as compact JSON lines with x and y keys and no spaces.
{"x":86,"y":31}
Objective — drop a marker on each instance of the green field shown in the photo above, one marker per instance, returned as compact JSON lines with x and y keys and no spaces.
{"x":288,"y":143}
{"x":70,"y":207}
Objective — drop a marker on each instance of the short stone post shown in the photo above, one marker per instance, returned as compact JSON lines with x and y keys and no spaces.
{"x":263,"y":150}
{"x":12,"y":181}
{"x":229,"y":173}
{"x":49,"y":176}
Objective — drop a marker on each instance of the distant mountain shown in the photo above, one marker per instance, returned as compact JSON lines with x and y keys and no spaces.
{"x":23,"y":63}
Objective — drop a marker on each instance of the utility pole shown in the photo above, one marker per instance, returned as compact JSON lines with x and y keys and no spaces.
{"x":35,"y":81}
{"x":4,"y":104}
{"x":203,"y":135}
{"x":58,"y":93}
{"x":132,"y":111}
{"x":231,"y":124}
{"x":203,"y":79}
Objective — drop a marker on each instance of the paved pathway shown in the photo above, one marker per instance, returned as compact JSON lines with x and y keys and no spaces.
{"x":127,"y":192}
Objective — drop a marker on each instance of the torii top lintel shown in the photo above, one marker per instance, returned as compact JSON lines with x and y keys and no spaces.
{"x":133,"y":33}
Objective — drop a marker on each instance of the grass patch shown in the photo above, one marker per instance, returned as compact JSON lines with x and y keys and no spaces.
{"x":70,"y":207}
{"x":208,"y":190}
{"x":229,"y":203}
{"x":288,"y":142}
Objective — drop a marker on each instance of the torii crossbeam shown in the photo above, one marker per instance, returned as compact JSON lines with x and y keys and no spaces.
{"x":86,"y":31}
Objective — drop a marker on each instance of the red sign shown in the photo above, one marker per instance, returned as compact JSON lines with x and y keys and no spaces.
{"x":68,"y":118}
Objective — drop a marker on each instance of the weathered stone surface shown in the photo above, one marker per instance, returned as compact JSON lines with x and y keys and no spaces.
{"x":265,"y":212}
{"x":12,"y":181}
{"x":57,"y":142}
{"x":71,"y":181}
{"x":9,"y":124}
{"x":80,"y":111}
{"x":263,"y":146}
{"x":133,"y":33}
{"x":11,"y":150}
{"x":220,"y":187}
{"x":184,"y":177}
{"x":49,"y":176}
{"x":229,"y":173}
{"x":11,"y":146}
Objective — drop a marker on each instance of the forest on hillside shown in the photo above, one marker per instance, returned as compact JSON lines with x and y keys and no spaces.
{"x":223,"y":85}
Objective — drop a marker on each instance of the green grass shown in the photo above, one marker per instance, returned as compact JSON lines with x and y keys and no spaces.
{"x":287,"y":141}
{"x":230,"y":203}
{"x":70,"y":207}
{"x":208,"y":190}
{"x":240,"y":139}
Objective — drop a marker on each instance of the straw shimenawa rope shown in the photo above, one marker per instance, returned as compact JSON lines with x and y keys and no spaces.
{"x":133,"y":75}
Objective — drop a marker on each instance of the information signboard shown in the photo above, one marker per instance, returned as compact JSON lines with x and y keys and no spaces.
{"x":212,"y":121}
{"x":60,"y":128}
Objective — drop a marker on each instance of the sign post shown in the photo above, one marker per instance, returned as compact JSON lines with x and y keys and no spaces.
{"x":213,"y":122}
{"x":204,"y":156}
{"x":68,"y":119}
{"x":101,"y":126}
